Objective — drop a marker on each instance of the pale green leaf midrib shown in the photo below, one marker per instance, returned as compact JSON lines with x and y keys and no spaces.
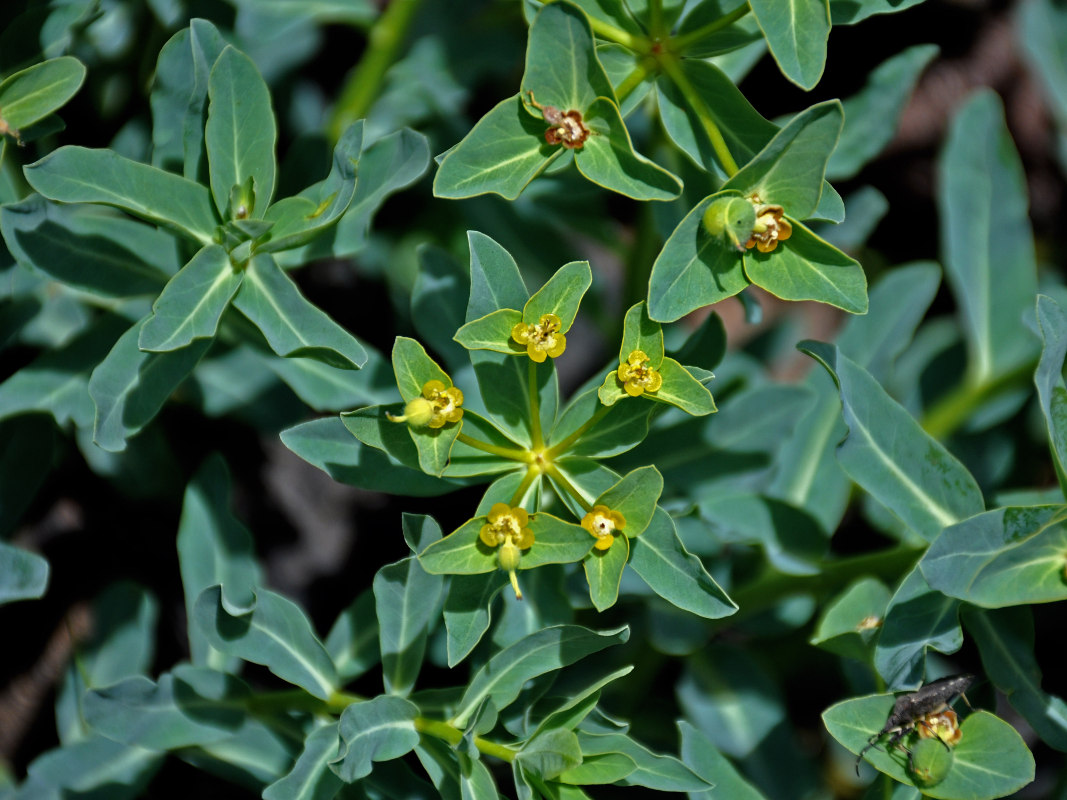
{"x":324,"y":683}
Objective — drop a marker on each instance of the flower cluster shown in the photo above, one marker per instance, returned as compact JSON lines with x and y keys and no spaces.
{"x":507,"y":529}
{"x":542,"y":338}
{"x":943,"y":725}
{"x":770,"y":228}
{"x":602,"y":523}
{"x":637,"y":377}
{"x":567,"y":129}
{"x":438,"y":405}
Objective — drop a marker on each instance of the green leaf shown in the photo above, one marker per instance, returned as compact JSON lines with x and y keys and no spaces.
{"x":468,"y":611}
{"x":188,"y":706}
{"x":353,"y":640}
{"x":130,"y":386}
{"x":192,"y":303}
{"x":406,"y":604}
{"x":658,"y":772}
{"x":608,"y":159}
{"x":681,"y":390}
{"x":547,"y":650}
{"x":327,"y":443}
{"x":95,"y":765}
{"x":916,"y":619}
{"x":491,"y":332}
{"x":1005,"y":639}
{"x":179,"y":98}
{"x":808,"y":268}
{"x":848,"y":12}
{"x":214,"y":549}
{"x":743,"y":129}
{"x":276,"y":634}
{"x":1041,"y":25}
{"x":561,"y":295}
{"x":311,"y":777}
{"x":475,"y":779}
{"x":240,"y":133}
{"x":1048,"y":378}
{"x":561,"y":64}
{"x":789,"y":171}
{"x":292,"y":326}
{"x":635,"y":497}
{"x":32,"y":94}
{"x":80,"y":175}
{"x":700,"y":755}
{"x":603,"y":572}
{"x":869,"y":113}
{"x":550,"y":753}
{"x":640,"y":332}
{"x":621,"y":428}
{"x":255,"y":755}
{"x":299,"y":220}
{"x":504,"y":151}
{"x":460,"y":553}
{"x":796,"y":32}
{"x":851,"y":622}
{"x":23,"y":575}
{"x":379,"y":729}
{"x":439,"y":302}
{"x":694,"y":268}
{"x":990,"y":761}
{"x":101,"y":253}
{"x":891,"y":457}
{"x":495,"y":279}
{"x":602,"y":769}
{"x":505,"y":381}
{"x":675,"y":574}
{"x":986,"y":238}
{"x":414,"y":368}
{"x":1005,"y":557}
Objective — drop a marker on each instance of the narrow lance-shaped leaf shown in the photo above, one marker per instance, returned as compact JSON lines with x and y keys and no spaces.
{"x":192,"y":303}
{"x":80,"y":175}
{"x":32,"y":94}
{"x":311,"y":777}
{"x":240,"y":132}
{"x":294,"y":327}
{"x":503,"y":676}
{"x":986,"y":238}
{"x":890,"y":456}
{"x":796,"y":31}
{"x":1051,"y":390}
{"x":495,"y":279}
{"x":275,"y":633}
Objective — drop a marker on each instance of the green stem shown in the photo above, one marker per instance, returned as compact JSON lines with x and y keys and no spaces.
{"x":612,"y":34}
{"x":531,"y":475}
{"x":535,"y":409}
{"x":556,"y":449}
{"x":671,"y":66}
{"x":686,"y":40}
{"x":453,"y":735}
{"x":557,"y":476}
{"x":655,"y":19}
{"x":951,"y":410}
{"x":365,"y":82}
{"x":643,"y":69}
{"x":514,"y":453}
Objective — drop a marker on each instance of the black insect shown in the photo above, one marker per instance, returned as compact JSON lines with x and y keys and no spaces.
{"x":911,"y":710}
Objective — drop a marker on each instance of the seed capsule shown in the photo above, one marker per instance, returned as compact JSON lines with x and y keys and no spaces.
{"x":929,"y":762}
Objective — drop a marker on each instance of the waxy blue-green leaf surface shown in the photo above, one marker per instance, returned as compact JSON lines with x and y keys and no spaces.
{"x":468,"y":611}
{"x":192,"y":302}
{"x":990,"y":761}
{"x":240,"y":132}
{"x":74,"y":174}
{"x":311,"y":777}
{"x":603,"y":571}
{"x":699,"y":754}
{"x":23,"y":575}
{"x":95,"y":765}
{"x":495,"y":279}
{"x":796,"y":31}
{"x":503,"y":676}
{"x":292,"y":326}
{"x":32,"y":94}
{"x":379,"y":729}
{"x":892,"y":458}
{"x":658,"y":772}
{"x":852,"y":621}
{"x":1009,"y":556}
{"x":130,"y":386}
{"x":275,"y":634}
{"x":1048,"y":378}
{"x":987,"y":244}
{"x":353,"y":639}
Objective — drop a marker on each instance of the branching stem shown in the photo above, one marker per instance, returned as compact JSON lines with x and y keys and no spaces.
{"x":514,"y":453}
{"x":535,"y":410}
{"x":553,"y":472}
{"x":561,"y":447}
{"x":687,"y":40}
{"x":671,"y":65}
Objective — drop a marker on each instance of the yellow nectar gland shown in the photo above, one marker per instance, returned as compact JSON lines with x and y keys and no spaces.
{"x":542,"y":338}
{"x":770,"y":228}
{"x":602,"y":522}
{"x":507,"y":529}
{"x":438,"y":406}
{"x":567,"y":129}
{"x":637,"y":377}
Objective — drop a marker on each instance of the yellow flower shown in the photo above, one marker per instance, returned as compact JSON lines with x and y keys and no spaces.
{"x":602,"y":523}
{"x":438,"y":405}
{"x":637,"y":377}
{"x":507,"y":529}
{"x":943,"y":725}
{"x":542,"y":338}
{"x":770,"y":228}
